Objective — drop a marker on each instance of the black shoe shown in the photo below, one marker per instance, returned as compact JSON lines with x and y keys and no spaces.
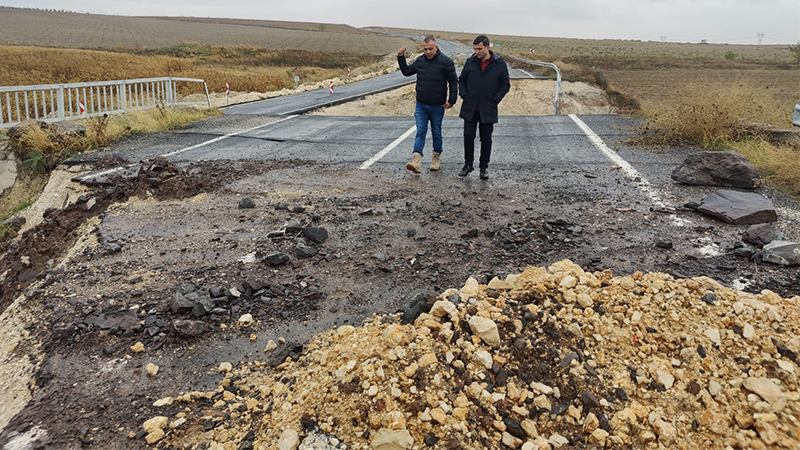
{"x":465,"y":170}
{"x":484,"y":174}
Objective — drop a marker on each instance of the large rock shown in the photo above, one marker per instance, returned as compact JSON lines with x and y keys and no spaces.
{"x":64,"y":128}
{"x":289,"y":440}
{"x":762,"y":234}
{"x":785,"y":253}
{"x":55,"y":128}
{"x":276,"y":258}
{"x":187,"y":328}
{"x":304,"y":251}
{"x":180,"y":304}
{"x":317,"y":235}
{"x":486,"y":329}
{"x":385,"y":439}
{"x":727,"y":169}
{"x":740,"y":208}
{"x":18,"y":130}
{"x":417,"y":304}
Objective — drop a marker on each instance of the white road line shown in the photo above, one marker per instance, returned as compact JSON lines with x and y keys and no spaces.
{"x":626,"y":168}
{"x":387,"y":149}
{"x":217,"y":139}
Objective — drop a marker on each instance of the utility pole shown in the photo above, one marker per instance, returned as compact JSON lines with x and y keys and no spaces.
{"x":760,"y":37}
{"x":663,"y":38}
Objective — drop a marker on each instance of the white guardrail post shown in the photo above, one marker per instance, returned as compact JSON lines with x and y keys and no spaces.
{"x":60,"y":102}
{"x":94,"y":98}
{"x":551,"y":66}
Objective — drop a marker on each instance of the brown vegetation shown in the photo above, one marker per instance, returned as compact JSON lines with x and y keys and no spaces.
{"x":243,"y":68}
{"x":41,"y":148}
{"x":548,"y":48}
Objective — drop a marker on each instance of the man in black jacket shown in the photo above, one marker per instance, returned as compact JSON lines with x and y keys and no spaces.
{"x":435,"y":72}
{"x":482,"y":85}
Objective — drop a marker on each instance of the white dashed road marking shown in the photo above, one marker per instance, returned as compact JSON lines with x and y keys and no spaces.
{"x":641,"y":182}
{"x":626,"y":168}
{"x":167,"y":155}
{"x":387,"y":149}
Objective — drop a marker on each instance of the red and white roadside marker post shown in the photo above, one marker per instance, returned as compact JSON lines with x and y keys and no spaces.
{"x":348,"y":73}
{"x":331,"y":92}
{"x":81,"y":108}
{"x":532,"y":51}
{"x":227,"y":94}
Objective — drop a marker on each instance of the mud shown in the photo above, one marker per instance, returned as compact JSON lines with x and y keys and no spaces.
{"x":179,"y":229}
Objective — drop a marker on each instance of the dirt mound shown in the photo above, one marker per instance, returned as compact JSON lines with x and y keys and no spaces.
{"x":550,"y":358}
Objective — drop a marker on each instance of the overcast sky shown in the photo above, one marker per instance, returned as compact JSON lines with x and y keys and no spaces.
{"x":732,"y":21}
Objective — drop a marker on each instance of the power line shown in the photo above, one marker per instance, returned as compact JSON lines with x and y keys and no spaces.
{"x":781,"y":40}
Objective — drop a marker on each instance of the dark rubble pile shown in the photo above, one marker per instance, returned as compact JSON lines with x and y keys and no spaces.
{"x":551,"y":358}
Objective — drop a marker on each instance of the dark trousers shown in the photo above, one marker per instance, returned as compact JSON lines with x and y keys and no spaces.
{"x":470,"y":126}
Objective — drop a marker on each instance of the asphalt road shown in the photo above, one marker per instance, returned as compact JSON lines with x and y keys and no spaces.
{"x":307,"y":101}
{"x":523,"y":147}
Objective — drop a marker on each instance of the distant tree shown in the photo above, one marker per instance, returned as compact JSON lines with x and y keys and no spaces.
{"x":322,"y":27}
{"x":730,"y":54}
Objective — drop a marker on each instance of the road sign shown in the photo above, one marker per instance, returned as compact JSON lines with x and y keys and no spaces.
{"x":81,"y":108}
{"x":296,"y":80}
{"x":331,"y":89}
{"x":532,"y":51}
{"x":227,"y":89}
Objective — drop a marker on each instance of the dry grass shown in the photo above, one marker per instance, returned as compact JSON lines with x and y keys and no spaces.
{"x":709,"y":116}
{"x":243,"y":68}
{"x":778,"y":165}
{"x":41,"y":150}
{"x":722,"y":116}
{"x":657,"y":89}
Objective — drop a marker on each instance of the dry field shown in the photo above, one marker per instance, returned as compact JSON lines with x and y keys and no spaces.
{"x":90,"y":31}
{"x":566,"y":47}
{"x":257,"y":70}
{"x":656,"y":88}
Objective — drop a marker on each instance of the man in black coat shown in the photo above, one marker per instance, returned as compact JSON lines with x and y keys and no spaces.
{"x":435,"y":71}
{"x":482,"y":85}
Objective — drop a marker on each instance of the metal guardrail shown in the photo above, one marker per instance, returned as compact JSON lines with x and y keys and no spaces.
{"x":58,"y":102}
{"x":796,"y":118}
{"x":543,"y":64}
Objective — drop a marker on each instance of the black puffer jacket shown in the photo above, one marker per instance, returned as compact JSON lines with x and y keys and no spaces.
{"x":483,"y":88}
{"x":433,"y":77}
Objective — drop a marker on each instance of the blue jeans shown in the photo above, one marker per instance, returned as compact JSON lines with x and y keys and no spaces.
{"x":423,"y":114}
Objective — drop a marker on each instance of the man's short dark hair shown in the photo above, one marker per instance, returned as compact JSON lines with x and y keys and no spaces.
{"x":481,"y":39}
{"x":429,"y":39}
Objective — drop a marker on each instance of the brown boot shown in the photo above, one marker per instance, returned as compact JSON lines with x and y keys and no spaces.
{"x":436,"y":162}
{"x":416,"y":163}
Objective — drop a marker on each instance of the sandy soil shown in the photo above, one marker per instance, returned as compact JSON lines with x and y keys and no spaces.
{"x":526,"y":98}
